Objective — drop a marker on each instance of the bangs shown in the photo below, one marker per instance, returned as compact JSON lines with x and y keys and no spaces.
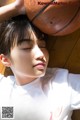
{"x":20,"y":34}
{"x":27,"y":32}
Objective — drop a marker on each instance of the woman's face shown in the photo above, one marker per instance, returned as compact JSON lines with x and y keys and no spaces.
{"x":30,"y":58}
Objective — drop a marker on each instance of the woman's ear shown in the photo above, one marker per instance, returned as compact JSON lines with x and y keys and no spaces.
{"x":5,"y":60}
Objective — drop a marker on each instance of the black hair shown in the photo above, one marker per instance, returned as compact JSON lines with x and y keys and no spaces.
{"x":13,"y":30}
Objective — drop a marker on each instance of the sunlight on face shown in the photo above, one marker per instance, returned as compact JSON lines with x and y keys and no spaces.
{"x":29,"y":59}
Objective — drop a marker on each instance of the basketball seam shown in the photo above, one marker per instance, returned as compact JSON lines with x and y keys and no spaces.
{"x":69,"y":21}
{"x":63,"y":26}
{"x":41,"y":10}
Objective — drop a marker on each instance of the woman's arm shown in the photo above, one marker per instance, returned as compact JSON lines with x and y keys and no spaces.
{"x":11,"y":10}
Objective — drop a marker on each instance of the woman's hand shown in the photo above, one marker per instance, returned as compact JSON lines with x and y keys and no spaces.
{"x":13,"y":9}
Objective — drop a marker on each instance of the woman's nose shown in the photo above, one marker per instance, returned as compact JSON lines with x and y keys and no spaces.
{"x":38,"y":52}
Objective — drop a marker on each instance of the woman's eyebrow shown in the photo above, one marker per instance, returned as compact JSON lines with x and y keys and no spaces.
{"x":24,"y":40}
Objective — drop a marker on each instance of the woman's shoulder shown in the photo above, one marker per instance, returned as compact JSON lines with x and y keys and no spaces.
{"x":6,"y":80}
{"x":61,"y":74}
{"x":56,"y":72}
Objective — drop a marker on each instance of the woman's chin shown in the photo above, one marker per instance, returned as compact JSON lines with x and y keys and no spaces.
{"x":41,"y":73}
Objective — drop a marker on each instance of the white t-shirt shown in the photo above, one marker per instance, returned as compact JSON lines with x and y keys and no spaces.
{"x":52,"y":97}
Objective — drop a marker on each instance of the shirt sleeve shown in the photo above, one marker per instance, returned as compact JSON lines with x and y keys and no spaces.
{"x":74,"y":82}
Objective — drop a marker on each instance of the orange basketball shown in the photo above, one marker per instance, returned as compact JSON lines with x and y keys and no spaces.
{"x":59,"y":17}
{"x":54,"y":17}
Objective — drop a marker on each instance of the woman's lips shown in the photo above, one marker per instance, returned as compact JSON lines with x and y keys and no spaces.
{"x":40,"y":65}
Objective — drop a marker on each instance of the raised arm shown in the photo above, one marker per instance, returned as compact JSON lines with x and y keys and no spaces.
{"x":12,"y":9}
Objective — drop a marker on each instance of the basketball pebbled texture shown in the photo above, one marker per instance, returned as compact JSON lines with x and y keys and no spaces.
{"x":56,"y":18}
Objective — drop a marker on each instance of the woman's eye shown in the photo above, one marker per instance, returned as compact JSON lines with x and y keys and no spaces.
{"x":26,"y":48}
{"x":42,"y":46}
